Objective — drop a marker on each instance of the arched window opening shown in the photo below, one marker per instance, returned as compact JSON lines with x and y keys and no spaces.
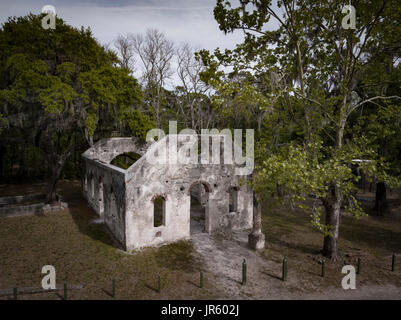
{"x":101,"y":197}
{"x":125,"y":160}
{"x":233,"y":202}
{"x":159,"y":211}
{"x":113,"y":209}
{"x":92,"y":187}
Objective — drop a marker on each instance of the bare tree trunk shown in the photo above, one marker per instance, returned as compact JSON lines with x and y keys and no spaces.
{"x":56,"y":164}
{"x":256,"y":238}
{"x":55,"y":167}
{"x":381,"y":205}
{"x":3,"y":151}
{"x":332,"y":205}
{"x":51,"y":195}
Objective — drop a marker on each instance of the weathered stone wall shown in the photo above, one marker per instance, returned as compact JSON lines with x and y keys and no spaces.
{"x":24,"y":205}
{"x":104,"y":189}
{"x":176,"y":182}
{"x":22,"y":199}
{"x":124,"y":198}
{"x":106,"y":150}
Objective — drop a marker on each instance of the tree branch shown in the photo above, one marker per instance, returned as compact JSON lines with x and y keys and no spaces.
{"x":369,"y":100}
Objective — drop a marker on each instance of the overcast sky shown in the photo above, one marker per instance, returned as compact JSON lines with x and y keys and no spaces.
{"x":181,"y":20}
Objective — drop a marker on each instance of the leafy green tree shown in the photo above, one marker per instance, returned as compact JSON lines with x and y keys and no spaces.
{"x":321,"y":65}
{"x":382,"y":125}
{"x":57,"y":86}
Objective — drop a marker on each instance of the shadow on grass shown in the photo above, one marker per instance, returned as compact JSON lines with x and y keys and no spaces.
{"x":107,"y":293}
{"x":83,"y":217}
{"x":286,"y":228}
{"x":381,"y":232}
{"x":61,"y":297}
{"x":195,"y":284}
{"x":233,"y":280}
{"x":21,"y":187}
{"x":82,"y":214}
{"x":271,"y":275}
{"x":314,"y":274}
{"x":152,"y":288}
{"x":177,"y":256}
{"x":374,"y":236}
{"x":299,"y":247}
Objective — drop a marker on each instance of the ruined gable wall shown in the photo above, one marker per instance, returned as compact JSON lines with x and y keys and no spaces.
{"x":127,"y":195}
{"x":106,"y":150}
{"x":105,"y":193}
{"x":145,"y":181}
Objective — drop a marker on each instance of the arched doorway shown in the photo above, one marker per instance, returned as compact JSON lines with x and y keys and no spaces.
{"x":233,"y":199}
{"x":199,"y":208}
{"x":159,"y":211}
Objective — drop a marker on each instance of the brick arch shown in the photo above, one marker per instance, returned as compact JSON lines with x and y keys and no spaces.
{"x":207,"y":186}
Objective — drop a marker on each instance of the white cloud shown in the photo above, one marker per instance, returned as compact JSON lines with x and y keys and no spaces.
{"x":189,"y":21}
{"x":193,"y":22}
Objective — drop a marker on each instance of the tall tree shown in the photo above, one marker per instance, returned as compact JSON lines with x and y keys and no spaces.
{"x":56,"y":85}
{"x":324,"y":64}
{"x":192,"y":93}
{"x":155,"y":54}
{"x":125,"y":52}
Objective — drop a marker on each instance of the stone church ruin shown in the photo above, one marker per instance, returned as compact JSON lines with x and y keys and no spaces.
{"x":149,"y":204}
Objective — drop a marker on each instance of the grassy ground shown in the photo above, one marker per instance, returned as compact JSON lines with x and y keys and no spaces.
{"x":84,"y":253}
{"x":373,"y":239}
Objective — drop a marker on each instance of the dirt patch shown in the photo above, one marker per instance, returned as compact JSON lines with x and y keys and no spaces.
{"x":289,"y":233}
{"x":223,"y":258}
